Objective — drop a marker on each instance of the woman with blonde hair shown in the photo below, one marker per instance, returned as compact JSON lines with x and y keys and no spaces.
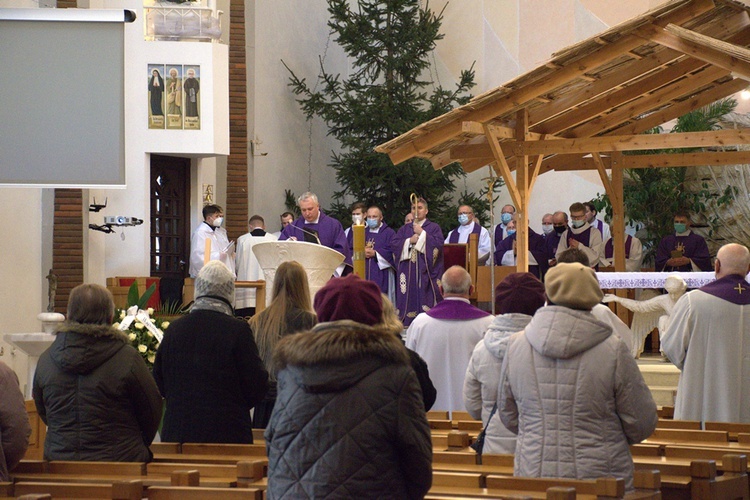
{"x":290,"y":312}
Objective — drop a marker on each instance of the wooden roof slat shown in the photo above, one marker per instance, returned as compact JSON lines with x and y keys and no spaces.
{"x":719,"y":53}
{"x":629,"y":143}
{"x":648,"y":102}
{"x":736,"y":24}
{"x":709,"y":158}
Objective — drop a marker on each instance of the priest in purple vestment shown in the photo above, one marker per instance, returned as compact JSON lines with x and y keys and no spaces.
{"x":582,"y":236}
{"x":537,"y":252}
{"x":316,"y":227}
{"x":379,"y":264}
{"x":418,"y":249}
{"x":684,"y":250}
{"x":468,"y":224}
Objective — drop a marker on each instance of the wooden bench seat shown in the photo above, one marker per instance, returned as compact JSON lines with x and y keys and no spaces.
{"x":686,"y":435}
{"x":733,"y":428}
{"x":668,"y":423}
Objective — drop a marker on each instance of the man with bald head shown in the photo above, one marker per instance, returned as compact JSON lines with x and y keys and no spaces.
{"x":468,"y":224}
{"x":445,"y":337}
{"x":709,"y":340}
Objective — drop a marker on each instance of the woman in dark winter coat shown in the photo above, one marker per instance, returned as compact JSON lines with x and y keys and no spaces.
{"x":208,"y":368}
{"x":349,"y":420}
{"x":93,"y":390}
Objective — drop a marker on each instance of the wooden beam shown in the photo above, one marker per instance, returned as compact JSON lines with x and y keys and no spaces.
{"x":618,"y":226}
{"x":679,"y":108}
{"x":648,"y":102}
{"x":502,"y":167}
{"x":523,"y":180}
{"x":617,"y":98}
{"x":473,"y":165}
{"x":523,"y":95}
{"x":719,"y":53}
{"x":602,"y":173}
{"x":729,"y":137}
{"x":537,"y":166}
{"x":711,"y":158}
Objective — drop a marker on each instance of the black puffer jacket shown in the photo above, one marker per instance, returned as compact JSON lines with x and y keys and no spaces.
{"x":349,"y":421}
{"x":96,"y":396}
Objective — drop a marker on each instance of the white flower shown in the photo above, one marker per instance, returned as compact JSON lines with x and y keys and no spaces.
{"x":116,"y":326}
{"x":131,"y":337}
{"x":142,"y":348}
{"x":122,"y":314}
{"x":151,"y":358}
{"x":150,"y":334}
{"x":139,"y":326}
{"x":164,"y":325}
{"x":150,"y":311}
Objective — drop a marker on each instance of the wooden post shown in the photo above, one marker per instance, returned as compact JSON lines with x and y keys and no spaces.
{"x":616,"y":197}
{"x":522,"y":184}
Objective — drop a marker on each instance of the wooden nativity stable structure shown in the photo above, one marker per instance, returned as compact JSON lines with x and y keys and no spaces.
{"x":594,"y":100}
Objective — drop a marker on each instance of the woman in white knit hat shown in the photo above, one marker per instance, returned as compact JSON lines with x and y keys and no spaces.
{"x":571,"y":390}
{"x":208,"y":368}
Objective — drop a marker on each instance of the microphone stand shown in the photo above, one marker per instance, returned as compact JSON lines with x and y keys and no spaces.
{"x":314,"y":235}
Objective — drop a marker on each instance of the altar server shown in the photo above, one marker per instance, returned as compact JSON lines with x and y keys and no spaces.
{"x":379,"y":264}
{"x":684,"y":250}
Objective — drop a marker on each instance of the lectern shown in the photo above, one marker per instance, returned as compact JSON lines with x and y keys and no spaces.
{"x":319,"y":262}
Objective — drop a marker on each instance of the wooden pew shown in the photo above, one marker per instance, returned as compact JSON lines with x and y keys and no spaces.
{"x":733,"y":484}
{"x":668,"y":423}
{"x":686,"y":435}
{"x":123,"y":490}
{"x":733,"y":428}
{"x":189,"y":493}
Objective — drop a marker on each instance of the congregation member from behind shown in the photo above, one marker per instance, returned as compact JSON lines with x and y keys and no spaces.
{"x":708,"y":338}
{"x":289,"y":312}
{"x":208,"y":368}
{"x":572,"y":390}
{"x":446,"y":335}
{"x":349,"y":421}
{"x":93,"y":389}
{"x":517,"y":298}
{"x":14,"y":422}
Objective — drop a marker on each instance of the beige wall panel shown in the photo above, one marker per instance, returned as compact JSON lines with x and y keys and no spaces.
{"x":462,"y":26}
{"x":612,"y":13}
{"x":546,"y":27}
{"x":502,"y":18}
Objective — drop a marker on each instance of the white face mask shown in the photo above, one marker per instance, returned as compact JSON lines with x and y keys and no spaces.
{"x":547,"y":228}
{"x":217,"y":221}
{"x":356,"y":220}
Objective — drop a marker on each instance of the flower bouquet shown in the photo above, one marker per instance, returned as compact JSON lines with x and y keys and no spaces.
{"x":143,"y":330}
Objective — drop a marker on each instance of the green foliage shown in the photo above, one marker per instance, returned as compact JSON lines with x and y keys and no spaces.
{"x":134,"y":299}
{"x":653,"y":195}
{"x":389,"y":45}
{"x":290,"y":202}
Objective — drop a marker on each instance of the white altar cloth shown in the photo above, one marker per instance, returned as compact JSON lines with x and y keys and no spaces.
{"x":650,"y":280}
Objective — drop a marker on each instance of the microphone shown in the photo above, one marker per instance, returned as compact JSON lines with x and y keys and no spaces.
{"x":314,"y":235}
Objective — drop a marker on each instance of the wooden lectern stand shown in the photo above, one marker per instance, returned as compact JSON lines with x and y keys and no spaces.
{"x":319,"y":262}
{"x":464,"y":255}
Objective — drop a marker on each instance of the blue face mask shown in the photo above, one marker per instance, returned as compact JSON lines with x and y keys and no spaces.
{"x":506,"y":217}
{"x":577,"y":223}
{"x":463,"y":219}
{"x":511,"y":232}
{"x":372,"y":223}
{"x":680,"y":228}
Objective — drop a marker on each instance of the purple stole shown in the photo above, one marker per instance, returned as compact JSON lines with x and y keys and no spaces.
{"x":417,"y":277}
{"x":608,"y":248}
{"x":456,"y":310}
{"x":453,"y":238}
{"x":582,"y":237}
{"x":537,"y":247}
{"x":732,"y":288}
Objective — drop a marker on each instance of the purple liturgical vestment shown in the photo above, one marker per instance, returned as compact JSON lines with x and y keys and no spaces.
{"x":456,"y":310}
{"x":418,"y":271}
{"x":693,"y":247}
{"x":537,"y":248}
{"x":328,"y":229}
{"x":381,"y":241}
{"x":453,"y":237}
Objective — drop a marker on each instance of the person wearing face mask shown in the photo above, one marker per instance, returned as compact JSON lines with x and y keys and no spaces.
{"x":581,"y":236}
{"x":379,"y":264}
{"x":547,"y":227}
{"x":506,"y":251}
{"x":358,"y":217}
{"x":684,"y":250}
{"x":506,"y":215}
{"x":468,"y":224}
{"x":602,"y":226}
{"x":210,"y":229}
{"x":552,"y":239}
